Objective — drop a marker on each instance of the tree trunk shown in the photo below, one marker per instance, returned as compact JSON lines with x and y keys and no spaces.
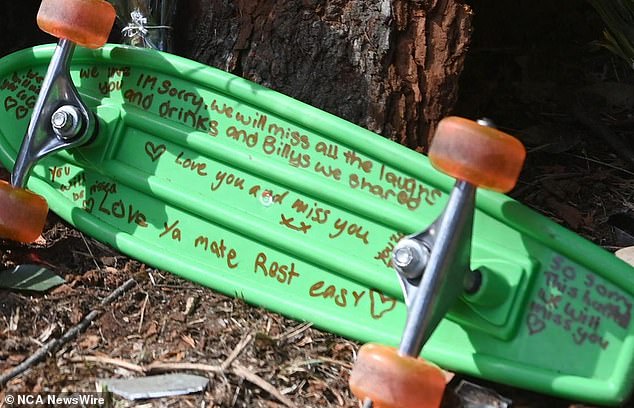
{"x":391,"y":66}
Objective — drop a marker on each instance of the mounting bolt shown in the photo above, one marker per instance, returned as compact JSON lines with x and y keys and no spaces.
{"x":410,"y":258}
{"x":403,"y":257}
{"x":66,"y":122}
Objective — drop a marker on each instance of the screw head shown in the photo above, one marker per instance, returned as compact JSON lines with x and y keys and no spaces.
{"x":66,"y":121}
{"x":60,"y":120}
{"x":403,"y":256}
{"x":266,"y":198}
{"x":410,"y":258}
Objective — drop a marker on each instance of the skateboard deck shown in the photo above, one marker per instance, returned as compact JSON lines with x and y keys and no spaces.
{"x":261,"y":197}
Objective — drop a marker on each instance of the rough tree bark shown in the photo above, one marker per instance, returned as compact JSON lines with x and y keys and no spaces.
{"x":391,"y":66}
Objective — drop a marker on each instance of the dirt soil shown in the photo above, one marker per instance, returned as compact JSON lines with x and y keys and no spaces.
{"x":569,"y":103}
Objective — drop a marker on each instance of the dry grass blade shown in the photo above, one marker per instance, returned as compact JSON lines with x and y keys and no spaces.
{"x":92,"y":255}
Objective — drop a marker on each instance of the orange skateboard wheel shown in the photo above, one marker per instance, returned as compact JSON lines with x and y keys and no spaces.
{"x":391,"y":380}
{"x":22,"y":213}
{"x":84,"y":22}
{"x":480,"y":155}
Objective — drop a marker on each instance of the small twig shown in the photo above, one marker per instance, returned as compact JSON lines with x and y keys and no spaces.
{"x":159,"y":367}
{"x":294,"y":331}
{"x":183,"y":287}
{"x":253,"y":378}
{"x":323,"y":359}
{"x":156,"y":367}
{"x":109,"y":360}
{"x":54,"y":345}
{"x":236,"y":351}
{"x":195,"y":322}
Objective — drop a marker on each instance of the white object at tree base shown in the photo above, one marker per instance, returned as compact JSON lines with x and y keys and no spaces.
{"x":626,"y":254}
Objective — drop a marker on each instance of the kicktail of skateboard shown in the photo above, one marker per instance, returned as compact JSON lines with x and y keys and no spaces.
{"x":259,"y":196}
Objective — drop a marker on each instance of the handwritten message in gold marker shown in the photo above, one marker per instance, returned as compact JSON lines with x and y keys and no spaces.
{"x":269,"y":197}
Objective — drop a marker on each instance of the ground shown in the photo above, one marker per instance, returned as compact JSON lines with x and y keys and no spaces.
{"x":567,"y":101}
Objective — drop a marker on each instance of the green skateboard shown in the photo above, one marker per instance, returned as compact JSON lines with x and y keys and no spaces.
{"x":259,"y":196}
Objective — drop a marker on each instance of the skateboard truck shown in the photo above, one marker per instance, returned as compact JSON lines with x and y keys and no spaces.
{"x":433,"y":266}
{"x":60,"y":119}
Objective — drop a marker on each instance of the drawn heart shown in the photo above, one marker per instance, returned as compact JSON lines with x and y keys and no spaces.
{"x":535,"y":324}
{"x":154,"y":151}
{"x":89,"y":204}
{"x":10,"y":103}
{"x":380,"y":304}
